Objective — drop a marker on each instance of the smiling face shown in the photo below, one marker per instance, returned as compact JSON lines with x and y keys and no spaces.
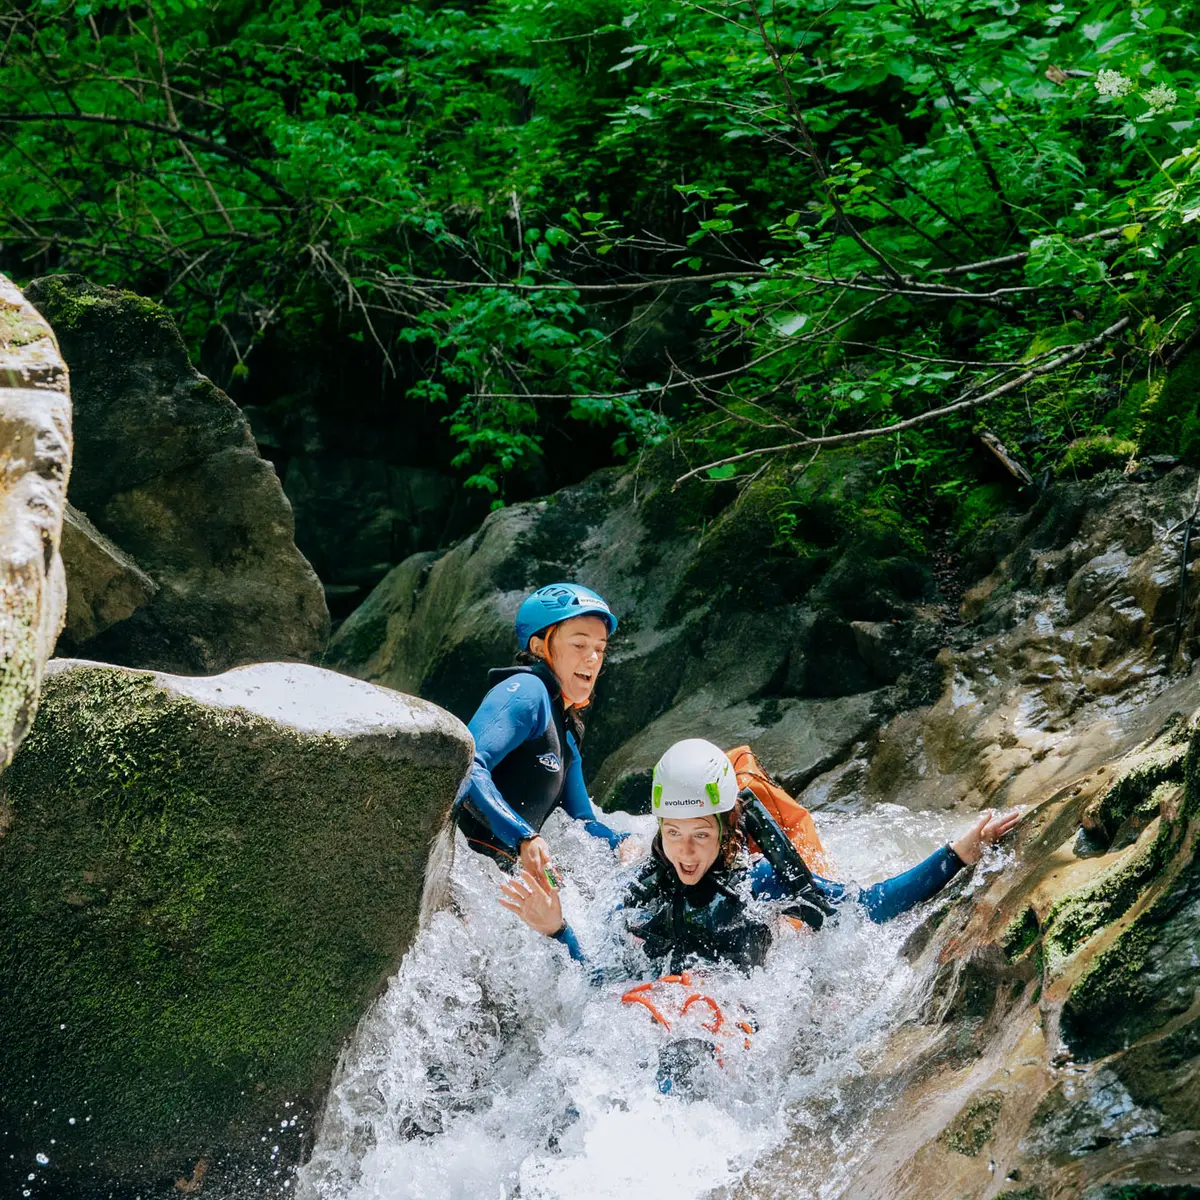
{"x":691,"y":845}
{"x":575,"y":651}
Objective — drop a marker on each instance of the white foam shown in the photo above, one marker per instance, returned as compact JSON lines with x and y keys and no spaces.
{"x":492,"y":1067}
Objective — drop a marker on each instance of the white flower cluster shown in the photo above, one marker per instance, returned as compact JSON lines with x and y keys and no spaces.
{"x":1161,"y":99}
{"x":1113,"y":83}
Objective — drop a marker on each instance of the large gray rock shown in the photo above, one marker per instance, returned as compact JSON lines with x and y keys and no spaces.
{"x":726,"y":632}
{"x":35,"y":462}
{"x":167,"y":470}
{"x":206,"y":882}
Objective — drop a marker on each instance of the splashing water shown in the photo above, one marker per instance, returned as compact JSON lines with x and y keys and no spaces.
{"x":494,"y":1067}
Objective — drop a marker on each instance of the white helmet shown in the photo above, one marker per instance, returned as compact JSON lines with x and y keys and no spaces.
{"x":693,"y":779}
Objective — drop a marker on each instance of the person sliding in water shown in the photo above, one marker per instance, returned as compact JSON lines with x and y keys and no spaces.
{"x":528,"y":729}
{"x":694,"y":900}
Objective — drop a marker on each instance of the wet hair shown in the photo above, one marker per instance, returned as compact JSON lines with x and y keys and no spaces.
{"x":733,"y":838}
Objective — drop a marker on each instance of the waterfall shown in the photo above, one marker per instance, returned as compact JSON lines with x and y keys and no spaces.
{"x":493,"y":1066}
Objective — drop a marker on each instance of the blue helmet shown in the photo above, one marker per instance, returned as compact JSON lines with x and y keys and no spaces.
{"x":557,"y":602}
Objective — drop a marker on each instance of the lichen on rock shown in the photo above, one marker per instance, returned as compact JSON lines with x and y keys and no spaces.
{"x":972,"y":1129}
{"x":206,"y":883}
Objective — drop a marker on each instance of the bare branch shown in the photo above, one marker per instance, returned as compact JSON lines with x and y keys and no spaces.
{"x":1010,"y":260}
{"x":840,"y":439}
{"x":1181,"y":351}
{"x":691,"y":382}
{"x":634,"y":286}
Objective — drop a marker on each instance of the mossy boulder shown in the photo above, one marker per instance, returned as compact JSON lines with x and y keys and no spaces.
{"x":1099,"y":452}
{"x":167,"y":469}
{"x":206,"y":882}
{"x":972,"y":1129}
{"x":1146,"y":978}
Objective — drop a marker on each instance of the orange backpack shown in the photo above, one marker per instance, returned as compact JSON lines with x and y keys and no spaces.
{"x":794,"y":819}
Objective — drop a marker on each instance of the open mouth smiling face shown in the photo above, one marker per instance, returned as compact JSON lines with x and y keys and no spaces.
{"x":691,"y":845}
{"x":575,"y":651}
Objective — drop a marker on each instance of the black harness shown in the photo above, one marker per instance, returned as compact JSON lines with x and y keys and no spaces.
{"x":531,"y":778}
{"x":710,"y":919}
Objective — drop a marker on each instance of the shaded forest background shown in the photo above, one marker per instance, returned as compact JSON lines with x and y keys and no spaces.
{"x":473,"y":252}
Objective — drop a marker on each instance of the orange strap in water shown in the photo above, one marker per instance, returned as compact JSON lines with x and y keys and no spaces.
{"x":718,"y":1016}
{"x":638,"y":995}
{"x":641,"y":994}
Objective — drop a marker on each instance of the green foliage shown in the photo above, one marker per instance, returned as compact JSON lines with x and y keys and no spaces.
{"x":455,"y":187}
{"x":978,"y":507}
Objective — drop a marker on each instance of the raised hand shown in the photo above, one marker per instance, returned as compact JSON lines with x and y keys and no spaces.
{"x":532,"y":898}
{"x":990,"y":827}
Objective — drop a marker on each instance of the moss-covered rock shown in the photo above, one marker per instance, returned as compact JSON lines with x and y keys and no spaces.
{"x":1137,"y":783}
{"x":972,"y":1129}
{"x":1146,"y":977}
{"x":167,"y":469}
{"x":980,"y":507}
{"x":1105,"y":897}
{"x":1100,"y":452}
{"x":1163,"y":414}
{"x":206,"y":881}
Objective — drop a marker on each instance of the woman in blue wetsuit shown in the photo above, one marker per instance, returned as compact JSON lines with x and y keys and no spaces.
{"x":695,"y":899}
{"x":529,"y":727}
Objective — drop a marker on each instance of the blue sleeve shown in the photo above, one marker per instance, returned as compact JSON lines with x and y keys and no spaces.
{"x":577,"y":804}
{"x":566,"y":935}
{"x":891,"y":897}
{"x":882,"y":901}
{"x":515,"y":710}
{"x":766,"y":885}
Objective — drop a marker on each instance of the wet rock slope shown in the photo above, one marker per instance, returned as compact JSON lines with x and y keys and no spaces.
{"x":1055,"y":1052}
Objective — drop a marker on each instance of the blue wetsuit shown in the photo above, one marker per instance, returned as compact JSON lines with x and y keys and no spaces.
{"x":678,"y":923}
{"x":527,"y":763}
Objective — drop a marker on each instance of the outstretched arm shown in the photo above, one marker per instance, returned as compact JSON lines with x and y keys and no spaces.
{"x":891,"y":897}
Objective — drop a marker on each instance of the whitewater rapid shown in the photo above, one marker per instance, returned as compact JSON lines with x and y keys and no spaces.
{"x":494,"y":1067}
